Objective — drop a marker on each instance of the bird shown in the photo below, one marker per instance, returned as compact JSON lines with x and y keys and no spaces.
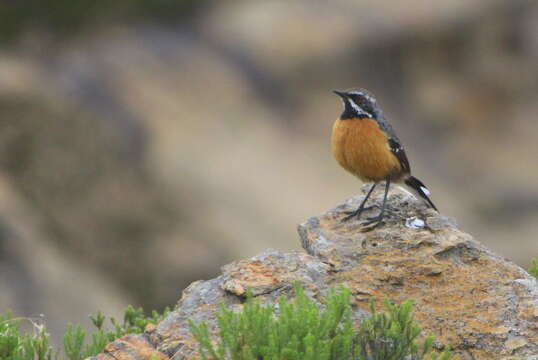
{"x":365,"y":144}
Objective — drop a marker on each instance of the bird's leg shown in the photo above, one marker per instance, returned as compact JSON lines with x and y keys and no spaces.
{"x":361,"y":207}
{"x":378,"y":220}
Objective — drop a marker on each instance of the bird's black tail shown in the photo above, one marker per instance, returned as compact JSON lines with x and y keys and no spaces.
{"x":419,"y":189}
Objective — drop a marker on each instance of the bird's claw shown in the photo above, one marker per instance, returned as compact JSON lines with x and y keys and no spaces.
{"x":372,"y":223}
{"x":351,"y":214}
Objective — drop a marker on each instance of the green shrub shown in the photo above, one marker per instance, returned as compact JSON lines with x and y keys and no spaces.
{"x":533,"y":270}
{"x":299,"y":329}
{"x":15,"y":345}
{"x":392,"y":335}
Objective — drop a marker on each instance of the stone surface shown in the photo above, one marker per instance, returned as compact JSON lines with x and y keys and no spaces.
{"x":131,"y":347}
{"x":480,"y":304}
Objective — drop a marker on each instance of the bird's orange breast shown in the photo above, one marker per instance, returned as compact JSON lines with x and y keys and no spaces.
{"x":362,"y":148}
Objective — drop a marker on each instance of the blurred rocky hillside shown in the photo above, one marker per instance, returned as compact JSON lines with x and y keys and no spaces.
{"x":142,"y":147}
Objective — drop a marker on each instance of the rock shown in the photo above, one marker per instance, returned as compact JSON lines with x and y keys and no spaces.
{"x":481,"y":305}
{"x":131,"y":347}
{"x":269,"y":276}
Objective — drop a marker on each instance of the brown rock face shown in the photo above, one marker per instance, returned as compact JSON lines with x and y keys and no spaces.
{"x":480,"y":304}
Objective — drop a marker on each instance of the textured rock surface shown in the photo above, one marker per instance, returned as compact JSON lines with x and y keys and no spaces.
{"x":480,"y":304}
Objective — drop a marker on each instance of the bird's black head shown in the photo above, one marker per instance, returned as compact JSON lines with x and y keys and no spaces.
{"x":358,"y":103}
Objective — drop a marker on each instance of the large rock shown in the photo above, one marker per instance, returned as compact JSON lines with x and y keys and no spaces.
{"x":482,"y":305}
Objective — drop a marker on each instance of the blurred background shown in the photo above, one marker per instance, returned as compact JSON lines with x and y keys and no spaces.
{"x":146,"y":143}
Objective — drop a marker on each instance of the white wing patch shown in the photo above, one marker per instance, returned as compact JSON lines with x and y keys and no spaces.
{"x":424,"y":190}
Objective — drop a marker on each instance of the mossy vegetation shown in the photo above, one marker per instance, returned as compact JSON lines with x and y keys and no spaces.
{"x":299,"y":329}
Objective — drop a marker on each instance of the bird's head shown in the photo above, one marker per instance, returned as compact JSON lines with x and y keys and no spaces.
{"x":358,"y":103}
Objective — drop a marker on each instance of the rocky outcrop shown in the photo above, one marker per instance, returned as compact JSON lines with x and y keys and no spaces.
{"x":481,"y":305}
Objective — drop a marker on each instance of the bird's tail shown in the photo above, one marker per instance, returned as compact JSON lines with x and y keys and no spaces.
{"x":419,"y":189}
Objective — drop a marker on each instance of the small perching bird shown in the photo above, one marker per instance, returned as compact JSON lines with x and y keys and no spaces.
{"x":365,"y":144}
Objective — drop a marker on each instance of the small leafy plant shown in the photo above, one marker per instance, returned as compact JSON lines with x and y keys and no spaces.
{"x":392,"y":335}
{"x":134,"y":322}
{"x":299,"y":329}
{"x":16,"y":345}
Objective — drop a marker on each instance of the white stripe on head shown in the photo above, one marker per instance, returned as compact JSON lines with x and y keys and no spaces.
{"x":365,"y":94}
{"x":358,"y":109}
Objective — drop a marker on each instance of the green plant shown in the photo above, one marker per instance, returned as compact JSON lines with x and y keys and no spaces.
{"x":15,"y":345}
{"x":304,"y":331}
{"x":134,"y":322}
{"x":392,"y":335}
{"x":533,"y":270}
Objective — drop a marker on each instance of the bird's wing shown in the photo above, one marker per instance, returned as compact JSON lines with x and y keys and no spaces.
{"x":395,"y":145}
{"x":398,"y":151}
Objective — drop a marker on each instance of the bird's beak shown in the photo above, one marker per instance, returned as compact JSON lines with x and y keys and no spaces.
{"x":342,"y":94}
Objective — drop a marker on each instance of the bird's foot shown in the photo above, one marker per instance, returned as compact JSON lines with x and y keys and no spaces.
{"x":357,"y":213}
{"x":373,"y":222}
